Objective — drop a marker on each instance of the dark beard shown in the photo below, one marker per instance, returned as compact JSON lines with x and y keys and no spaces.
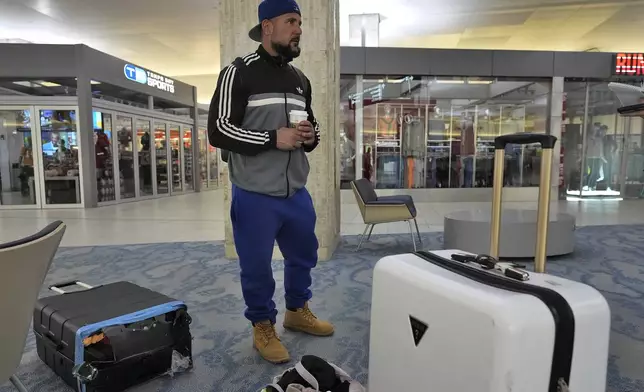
{"x":286,"y":51}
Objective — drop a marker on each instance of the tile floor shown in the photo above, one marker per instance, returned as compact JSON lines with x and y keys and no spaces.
{"x":200,"y":217}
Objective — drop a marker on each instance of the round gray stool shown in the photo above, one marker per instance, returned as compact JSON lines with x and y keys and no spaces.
{"x":470,"y":231}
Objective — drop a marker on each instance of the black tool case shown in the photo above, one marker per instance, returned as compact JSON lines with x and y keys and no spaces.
{"x":112,"y":337}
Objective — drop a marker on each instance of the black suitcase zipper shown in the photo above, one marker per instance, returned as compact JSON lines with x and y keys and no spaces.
{"x":562,"y":313}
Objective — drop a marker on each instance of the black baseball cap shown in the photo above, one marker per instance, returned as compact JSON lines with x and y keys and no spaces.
{"x":269,"y":9}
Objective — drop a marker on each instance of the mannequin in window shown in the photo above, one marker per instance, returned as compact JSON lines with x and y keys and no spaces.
{"x":388,"y":126}
{"x":348,"y":151}
{"x":388,"y":162}
{"x":610,"y":153}
{"x":145,"y":173}
{"x":414,"y":148}
{"x":595,"y":158}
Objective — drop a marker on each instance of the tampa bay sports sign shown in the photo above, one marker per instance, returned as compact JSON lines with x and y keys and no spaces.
{"x":142,"y":76}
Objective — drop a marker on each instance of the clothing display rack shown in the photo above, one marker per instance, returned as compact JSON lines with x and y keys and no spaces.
{"x":388,"y":148}
{"x":438,"y":155}
{"x":187,"y":160}
{"x":162,"y":169}
{"x":176,"y":170}
{"x":413,"y":148}
{"x":417,"y":146}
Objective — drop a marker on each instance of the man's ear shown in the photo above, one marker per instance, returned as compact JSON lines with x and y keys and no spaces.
{"x":267,"y":27}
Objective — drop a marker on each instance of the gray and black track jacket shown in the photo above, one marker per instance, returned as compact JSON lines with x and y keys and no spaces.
{"x":252,"y":101}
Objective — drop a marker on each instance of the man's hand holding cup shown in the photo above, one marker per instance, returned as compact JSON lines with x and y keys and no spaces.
{"x":289,"y":139}
{"x":306,"y":128}
{"x":300,"y":132}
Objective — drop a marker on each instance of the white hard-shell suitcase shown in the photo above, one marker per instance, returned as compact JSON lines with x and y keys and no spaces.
{"x":442,"y":325}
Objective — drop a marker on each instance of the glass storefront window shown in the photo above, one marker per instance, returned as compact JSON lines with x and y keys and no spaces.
{"x":203,"y":157}
{"x":175,"y":154}
{"x":105,"y":183}
{"x":188,"y":159}
{"x":213,"y":162}
{"x":17,"y":184}
{"x":634,"y":164}
{"x":161,"y":150}
{"x":59,"y":137}
{"x":125,"y":157}
{"x":350,"y":109}
{"x":439,"y":133}
{"x":599,"y":147}
{"x":145,"y":157}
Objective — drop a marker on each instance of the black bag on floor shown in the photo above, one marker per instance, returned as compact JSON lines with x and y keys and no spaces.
{"x":112,"y":337}
{"x":314,"y":374}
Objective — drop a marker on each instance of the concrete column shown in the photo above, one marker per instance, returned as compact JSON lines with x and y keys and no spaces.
{"x":320,"y":61}
{"x":358,"y":136}
{"x":89,"y":190}
{"x":554,"y":124}
{"x":196,"y":150}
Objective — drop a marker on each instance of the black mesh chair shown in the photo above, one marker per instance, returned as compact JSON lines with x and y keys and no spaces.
{"x":383,"y":209}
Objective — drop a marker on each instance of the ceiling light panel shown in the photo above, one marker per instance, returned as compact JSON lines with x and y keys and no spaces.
{"x":48,"y":84}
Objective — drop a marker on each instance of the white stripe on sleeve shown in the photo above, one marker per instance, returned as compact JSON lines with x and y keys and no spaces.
{"x":225,"y":103}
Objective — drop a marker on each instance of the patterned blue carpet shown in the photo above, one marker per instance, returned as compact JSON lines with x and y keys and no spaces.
{"x":609,"y":258}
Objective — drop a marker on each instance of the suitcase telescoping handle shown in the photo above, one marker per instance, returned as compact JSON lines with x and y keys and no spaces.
{"x":58,"y":288}
{"x":543,"y":213}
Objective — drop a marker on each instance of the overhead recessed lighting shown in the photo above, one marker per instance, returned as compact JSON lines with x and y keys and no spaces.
{"x":24,"y":84}
{"x":480,"y":81}
{"x":48,"y":84}
{"x":455,"y":81}
{"x":91,"y":81}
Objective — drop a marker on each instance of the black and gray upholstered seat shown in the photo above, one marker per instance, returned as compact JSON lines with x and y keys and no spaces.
{"x":383,"y":209}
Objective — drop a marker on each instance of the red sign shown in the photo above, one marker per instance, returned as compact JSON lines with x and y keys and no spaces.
{"x":630,"y":64}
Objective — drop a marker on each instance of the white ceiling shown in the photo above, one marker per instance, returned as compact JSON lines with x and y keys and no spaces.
{"x":181,"y":39}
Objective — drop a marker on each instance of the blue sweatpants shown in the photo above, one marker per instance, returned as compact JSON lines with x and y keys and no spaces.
{"x":258,"y":221}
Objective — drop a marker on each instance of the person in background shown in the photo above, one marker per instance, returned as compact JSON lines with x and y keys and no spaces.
{"x":102,"y":149}
{"x":26,"y":166}
{"x":51,"y":146}
{"x":249,"y":118}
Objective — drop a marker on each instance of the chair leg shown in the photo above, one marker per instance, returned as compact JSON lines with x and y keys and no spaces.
{"x":18,"y":384}
{"x":362,"y":237}
{"x":420,"y":240}
{"x":370,"y":231}
{"x":411,"y":231}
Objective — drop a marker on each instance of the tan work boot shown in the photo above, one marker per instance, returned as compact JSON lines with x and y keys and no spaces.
{"x":303,"y":320}
{"x":266,"y":341}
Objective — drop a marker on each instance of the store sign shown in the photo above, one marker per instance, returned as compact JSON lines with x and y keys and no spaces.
{"x":629,"y":64}
{"x":373,"y":93}
{"x":142,"y":76}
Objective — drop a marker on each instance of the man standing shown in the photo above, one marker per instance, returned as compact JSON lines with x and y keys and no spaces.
{"x":249,"y":118}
